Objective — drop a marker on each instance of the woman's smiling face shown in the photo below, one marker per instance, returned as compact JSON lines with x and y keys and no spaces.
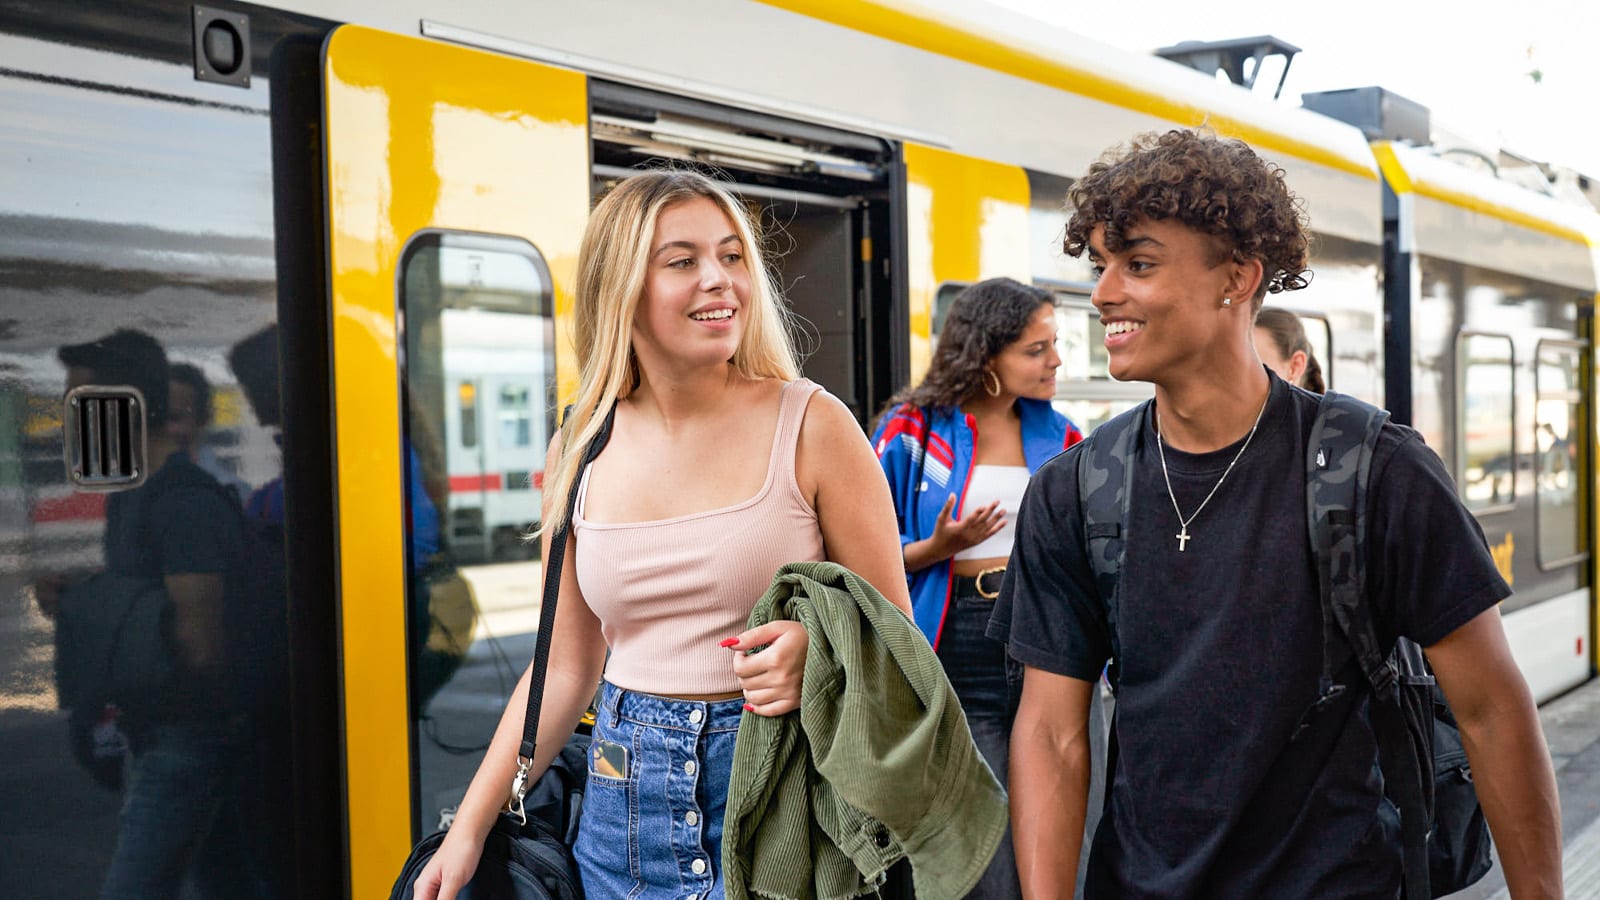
{"x":696,"y":289}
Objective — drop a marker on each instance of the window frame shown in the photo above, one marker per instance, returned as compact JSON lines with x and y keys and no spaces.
{"x":1578,"y":347}
{"x":1459,"y":463}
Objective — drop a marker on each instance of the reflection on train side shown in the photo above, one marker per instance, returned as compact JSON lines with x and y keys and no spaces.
{"x":479,"y":383}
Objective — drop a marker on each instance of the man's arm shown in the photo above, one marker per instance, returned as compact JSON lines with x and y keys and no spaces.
{"x":196,"y":618}
{"x":1049,"y":782}
{"x":1505,"y":745}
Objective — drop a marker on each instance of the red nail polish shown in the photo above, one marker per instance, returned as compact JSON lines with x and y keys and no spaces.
{"x":749,"y":708}
{"x":729,"y":642}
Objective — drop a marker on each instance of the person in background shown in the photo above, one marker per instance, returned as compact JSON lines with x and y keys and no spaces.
{"x":1281,"y":343}
{"x":993,"y":374}
{"x":723,"y":464}
{"x":181,"y":825}
{"x":189,"y":414}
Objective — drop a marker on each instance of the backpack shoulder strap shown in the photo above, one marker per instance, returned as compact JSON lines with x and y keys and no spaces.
{"x":1105,"y":479}
{"x":1338,"y":465}
{"x":1338,"y":471}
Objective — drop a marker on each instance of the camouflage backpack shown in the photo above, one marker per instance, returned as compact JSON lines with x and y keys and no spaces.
{"x":1446,"y":840}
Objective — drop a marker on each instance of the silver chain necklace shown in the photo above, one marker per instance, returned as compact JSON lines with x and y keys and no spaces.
{"x":1183,"y":533}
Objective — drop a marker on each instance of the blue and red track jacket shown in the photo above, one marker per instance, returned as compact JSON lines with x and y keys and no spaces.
{"x":942,"y":452}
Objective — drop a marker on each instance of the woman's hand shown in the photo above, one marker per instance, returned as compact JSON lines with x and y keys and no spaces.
{"x":951,"y":535}
{"x":451,"y":867}
{"x":770,"y":661}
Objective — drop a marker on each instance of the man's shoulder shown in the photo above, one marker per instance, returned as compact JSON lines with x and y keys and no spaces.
{"x":182,"y":488}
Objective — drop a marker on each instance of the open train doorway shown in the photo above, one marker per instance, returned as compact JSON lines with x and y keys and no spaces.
{"x":822,"y":197}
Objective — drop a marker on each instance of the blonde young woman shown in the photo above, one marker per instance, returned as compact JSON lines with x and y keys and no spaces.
{"x":723,"y":464}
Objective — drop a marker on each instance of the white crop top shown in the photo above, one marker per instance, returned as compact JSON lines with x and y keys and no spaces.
{"x":988,"y":484}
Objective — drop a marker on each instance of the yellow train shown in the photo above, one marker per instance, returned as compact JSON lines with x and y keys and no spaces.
{"x":359,"y":222}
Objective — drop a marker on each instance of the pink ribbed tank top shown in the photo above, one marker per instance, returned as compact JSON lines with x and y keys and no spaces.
{"x":667,"y":591}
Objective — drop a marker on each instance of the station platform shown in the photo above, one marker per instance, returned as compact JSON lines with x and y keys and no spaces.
{"x":1572,"y":729}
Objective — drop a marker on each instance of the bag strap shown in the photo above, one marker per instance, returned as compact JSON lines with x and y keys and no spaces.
{"x":1338,"y":467}
{"x":547,"y":621}
{"x":1105,"y":480}
{"x":1338,"y":471}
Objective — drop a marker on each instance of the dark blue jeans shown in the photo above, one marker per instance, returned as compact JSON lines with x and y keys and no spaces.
{"x":182,"y":819}
{"x":989,"y":685}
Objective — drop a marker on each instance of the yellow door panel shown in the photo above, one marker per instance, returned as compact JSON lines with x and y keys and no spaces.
{"x":966,"y":220}
{"x":421,"y":136}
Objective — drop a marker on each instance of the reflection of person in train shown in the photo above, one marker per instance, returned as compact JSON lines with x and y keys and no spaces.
{"x":722,"y":466}
{"x":442,"y":608}
{"x":1281,"y":343}
{"x":993,"y":374}
{"x":189,"y":411}
{"x":1216,"y":623}
{"x":179,"y":818}
{"x":1558,"y":457}
{"x":254,"y":361}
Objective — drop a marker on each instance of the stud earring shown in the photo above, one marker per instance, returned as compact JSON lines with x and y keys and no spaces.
{"x":1227,"y":301}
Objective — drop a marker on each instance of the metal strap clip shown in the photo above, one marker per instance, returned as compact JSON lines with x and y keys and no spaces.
{"x":519,"y":788}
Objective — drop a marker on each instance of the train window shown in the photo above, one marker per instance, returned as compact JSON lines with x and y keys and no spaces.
{"x":516,"y":415}
{"x":942,"y":299}
{"x":467,"y":396}
{"x":1562,"y":528}
{"x":479,"y":387}
{"x":1486,"y":470}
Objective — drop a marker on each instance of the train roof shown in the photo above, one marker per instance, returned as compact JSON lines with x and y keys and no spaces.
{"x":1005,"y":41}
{"x":1471,"y":216}
{"x":970,"y":77}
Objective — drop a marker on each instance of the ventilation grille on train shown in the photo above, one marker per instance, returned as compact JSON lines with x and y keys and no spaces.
{"x":105,"y":437}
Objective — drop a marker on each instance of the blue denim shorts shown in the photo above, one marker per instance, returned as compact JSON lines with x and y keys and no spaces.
{"x":658,"y":787}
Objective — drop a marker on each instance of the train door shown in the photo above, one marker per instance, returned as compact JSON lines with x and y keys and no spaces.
{"x":824,"y":200}
{"x":966,"y":220}
{"x":457,"y":186}
{"x":140,"y":235}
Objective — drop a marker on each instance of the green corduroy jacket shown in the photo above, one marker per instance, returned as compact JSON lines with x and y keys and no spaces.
{"x":875,"y":766}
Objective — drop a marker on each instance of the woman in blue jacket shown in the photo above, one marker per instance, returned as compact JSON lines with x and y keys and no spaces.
{"x":993,"y":374}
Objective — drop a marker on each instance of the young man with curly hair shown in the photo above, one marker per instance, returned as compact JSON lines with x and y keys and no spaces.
{"x":1219,"y":619}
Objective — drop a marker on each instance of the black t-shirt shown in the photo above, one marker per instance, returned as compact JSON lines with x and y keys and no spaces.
{"x":1221,"y":653}
{"x":177,"y":523}
{"x":180,"y":522}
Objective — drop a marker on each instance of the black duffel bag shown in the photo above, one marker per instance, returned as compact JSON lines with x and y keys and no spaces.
{"x":528,"y":853}
{"x":526,"y":859}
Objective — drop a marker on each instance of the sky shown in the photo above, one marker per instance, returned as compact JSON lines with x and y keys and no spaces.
{"x":1522,"y":76}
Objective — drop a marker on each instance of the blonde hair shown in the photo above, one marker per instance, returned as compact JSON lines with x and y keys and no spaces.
{"x":612,"y":262}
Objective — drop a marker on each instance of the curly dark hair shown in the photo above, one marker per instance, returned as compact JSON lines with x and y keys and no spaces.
{"x":983,"y":319}
{"x":1215,"y":185}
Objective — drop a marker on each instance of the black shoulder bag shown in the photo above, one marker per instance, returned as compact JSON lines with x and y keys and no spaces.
{"x":528,"y":853}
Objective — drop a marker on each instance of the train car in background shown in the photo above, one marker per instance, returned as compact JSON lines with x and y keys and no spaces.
{"x":363,"y":219}
{"x":1490,"y":289}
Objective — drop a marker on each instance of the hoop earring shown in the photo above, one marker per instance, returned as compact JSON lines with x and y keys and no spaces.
{"x":991,"y":391}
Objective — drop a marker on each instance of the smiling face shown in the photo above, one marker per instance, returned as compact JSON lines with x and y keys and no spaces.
{"x":1027,"y":366}
{"x":696,"y":289}
{"x":1160,"y":297}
